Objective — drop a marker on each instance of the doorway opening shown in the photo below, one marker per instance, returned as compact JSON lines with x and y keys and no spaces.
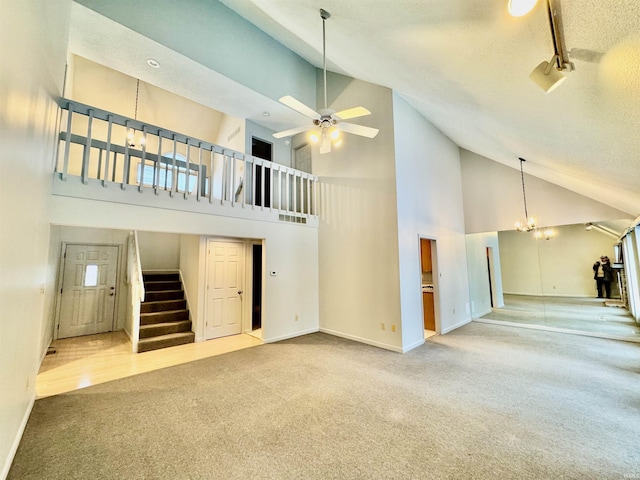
{"x":262,"y":182}
{"x":429,"y":297}
{"x":256,"y":288}
{"x":87,"y":294}
{"x":490,"y":273}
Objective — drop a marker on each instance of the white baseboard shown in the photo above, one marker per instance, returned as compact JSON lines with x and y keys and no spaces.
{"x":355,"y":338}
{"x":16,"y":441}
{"x":457,"y":325}
{"x":482,"y":314}
{"x":412,"y":346}
{"x":289,"y":335}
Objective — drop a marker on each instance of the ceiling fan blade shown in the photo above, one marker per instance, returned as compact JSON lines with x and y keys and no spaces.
{"x":292,"y":131}
{"x":358,"y":129}
{"x":325,"y":146}
{"x":299,"y":107}
{"x":352,"y":113}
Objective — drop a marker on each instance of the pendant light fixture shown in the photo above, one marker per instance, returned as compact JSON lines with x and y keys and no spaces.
{"x":131,"y":132}
{"x":529,"y":223}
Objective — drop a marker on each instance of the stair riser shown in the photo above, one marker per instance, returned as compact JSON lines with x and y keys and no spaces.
{"x":148,"y":346}
{"x":152,"y":318}
{"x":164,"y":329}
{"x":158,"y":286}
{"x":161,"y":277}
{"x":163,"y":295}
{"x":163,"y":306}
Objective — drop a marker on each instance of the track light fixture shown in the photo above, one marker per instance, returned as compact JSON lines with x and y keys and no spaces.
{"x":548,"y":75}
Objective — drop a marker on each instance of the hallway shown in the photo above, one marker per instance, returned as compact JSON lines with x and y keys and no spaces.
{"x":93,"y":359}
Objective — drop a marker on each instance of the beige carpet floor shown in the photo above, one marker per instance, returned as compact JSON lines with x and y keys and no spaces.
{"x":483,"y":402}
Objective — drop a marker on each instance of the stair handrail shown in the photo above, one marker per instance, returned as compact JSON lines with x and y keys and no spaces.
{"x":137,"y":292}
{"x":139,"y":278}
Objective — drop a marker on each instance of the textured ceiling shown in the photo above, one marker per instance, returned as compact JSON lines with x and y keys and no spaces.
{"x":465,"y":64}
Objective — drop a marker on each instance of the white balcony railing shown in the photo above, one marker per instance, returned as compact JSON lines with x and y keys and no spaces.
{"x":105,"y":149}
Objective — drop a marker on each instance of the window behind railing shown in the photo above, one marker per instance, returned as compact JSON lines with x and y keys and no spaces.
{"x":104,"y":147}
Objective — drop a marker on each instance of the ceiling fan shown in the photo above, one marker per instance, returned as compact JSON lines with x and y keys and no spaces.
{"x":327,"y":124}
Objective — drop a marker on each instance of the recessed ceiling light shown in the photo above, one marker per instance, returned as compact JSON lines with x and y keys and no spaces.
{"x":153,"y":63}
{"x":266,"y":114}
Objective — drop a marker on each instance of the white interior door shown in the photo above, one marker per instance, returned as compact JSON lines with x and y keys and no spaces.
{"x":225,"y":281}
{"x":88,"y":298}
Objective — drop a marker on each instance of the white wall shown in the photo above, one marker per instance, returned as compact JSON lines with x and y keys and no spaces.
{"x":291,"y":250}
{"x":218,"y":38}
{"x":561,"y":266}
{"x":110,"y":90}
{"x":429,"y":190}
{"x":358,"y":233}
{"x":34,"y":37}
{"x":479,"y":288}
{"x":493,"y":198}
{"x":159,"y":250}
{"x":192,"y":273}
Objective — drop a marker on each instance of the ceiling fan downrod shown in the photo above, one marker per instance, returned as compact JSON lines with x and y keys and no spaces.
{"x":325,"y":15}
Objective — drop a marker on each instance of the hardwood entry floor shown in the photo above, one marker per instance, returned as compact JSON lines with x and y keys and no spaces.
{"x":89,"y":360}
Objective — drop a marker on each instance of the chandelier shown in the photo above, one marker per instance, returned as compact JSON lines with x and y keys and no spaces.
{"x":529,"y":223}
{"x":131,"y":132}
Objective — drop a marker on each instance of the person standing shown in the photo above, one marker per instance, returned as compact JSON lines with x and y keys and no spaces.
{"x":603,"y":275}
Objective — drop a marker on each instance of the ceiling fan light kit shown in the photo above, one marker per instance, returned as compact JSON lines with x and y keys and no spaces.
{"x":327,"y":125}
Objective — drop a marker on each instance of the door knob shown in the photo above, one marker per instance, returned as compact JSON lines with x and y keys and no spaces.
{"x":111,"y":294}
{"x":239,"y":292}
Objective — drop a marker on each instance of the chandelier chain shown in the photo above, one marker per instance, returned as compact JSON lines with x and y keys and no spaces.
{"x":524,"y":195}
{"x":135,"y":115}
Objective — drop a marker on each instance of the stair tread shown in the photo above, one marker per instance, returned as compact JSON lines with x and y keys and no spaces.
{"x":151,"y":326}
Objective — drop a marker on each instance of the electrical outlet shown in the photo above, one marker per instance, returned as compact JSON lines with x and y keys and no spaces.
{"x":454,"y":311}
{"x":393,"y":327}
{"x":382,"y":326}
{"x":296,"y":318}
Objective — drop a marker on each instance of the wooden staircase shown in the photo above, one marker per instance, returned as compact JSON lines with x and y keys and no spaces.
{"x":164,"y":318}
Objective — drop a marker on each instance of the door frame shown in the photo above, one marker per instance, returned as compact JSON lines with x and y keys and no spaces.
{"x":60,"y":280}
{"x":436,"y":276}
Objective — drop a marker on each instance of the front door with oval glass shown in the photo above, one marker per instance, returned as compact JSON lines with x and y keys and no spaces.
{"x":88,"y":297}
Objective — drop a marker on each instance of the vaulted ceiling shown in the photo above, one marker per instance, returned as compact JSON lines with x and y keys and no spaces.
{"x":465,"y":65}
